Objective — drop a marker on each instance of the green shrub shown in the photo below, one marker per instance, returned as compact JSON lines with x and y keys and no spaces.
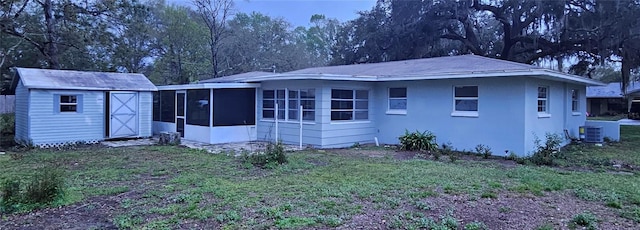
{"x":475,"y":226}
{"x":483,"y":150}
{"x":45,"y":186}
{"x":273,"y":155}
{"x":546,"y":153}
{"x":585,"y":219}
{"x":7,"y":123}
{"x":418,"y":141}
{"x":11,"y":196}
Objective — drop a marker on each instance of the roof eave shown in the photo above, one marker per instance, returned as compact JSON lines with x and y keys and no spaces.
{"x":339,"y":77}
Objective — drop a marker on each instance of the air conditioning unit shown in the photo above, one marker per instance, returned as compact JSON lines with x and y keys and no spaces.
{"x":593,"y":134}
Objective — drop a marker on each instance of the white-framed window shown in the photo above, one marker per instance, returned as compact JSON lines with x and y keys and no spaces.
{"x":397,"y":100}
{"x":574,"y":101}
{"x":289,"y":102}
{"x":68,"y":103}
{"x":465,"y":100}
{"x":349,"y":104}
{"x":543,"y":99}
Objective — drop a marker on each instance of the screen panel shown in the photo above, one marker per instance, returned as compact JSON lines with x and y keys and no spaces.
{"x":234,"y":107}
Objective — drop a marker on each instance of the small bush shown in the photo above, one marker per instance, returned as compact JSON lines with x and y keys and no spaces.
{"x":585,"y":219}
{"x":11,"y":196}
{"x":546,"y":153}
{"x":273,"y":155}
{"x":45,"y":187}
{"x":450,"y":222}
{"x":418,"y":141}
{"x":512,"y":156}
{"x":7,"y":123}
{"x":483,"y":150}
{"x":475,"y":226}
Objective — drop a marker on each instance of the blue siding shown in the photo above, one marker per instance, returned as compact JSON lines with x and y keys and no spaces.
{"x":499,"y":123}
{"x":145,"y":114}
{"x":22,"y":114}
{"x":48,"y":127}
{"x":559,"y":107}
{"x":289,"y":131}
{"x":337,"y":134}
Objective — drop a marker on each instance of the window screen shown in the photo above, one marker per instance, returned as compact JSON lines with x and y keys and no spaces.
{"x":198,"y":109}
{"x":168,"y":106}
{"x":156,"y":106}
{"x":234,"y":107}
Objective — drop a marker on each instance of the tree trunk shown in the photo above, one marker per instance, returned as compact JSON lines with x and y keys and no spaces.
{"x":51,"y":48}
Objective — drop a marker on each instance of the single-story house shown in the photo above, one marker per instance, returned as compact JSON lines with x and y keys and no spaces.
{"x":609,"y":100}
{"x":57,"y":107}
{"x":464,"y":100}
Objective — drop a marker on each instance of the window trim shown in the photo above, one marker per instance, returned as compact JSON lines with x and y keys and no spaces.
{"x":545,"y":113}
{"x":460,"y":113}
{"x":76,"y":104}
{"x":389,"y":98}
{"x":286,"y":108}
{"x":354,"y":108}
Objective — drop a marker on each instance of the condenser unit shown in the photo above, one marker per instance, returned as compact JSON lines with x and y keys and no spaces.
{"x":593,"y":134}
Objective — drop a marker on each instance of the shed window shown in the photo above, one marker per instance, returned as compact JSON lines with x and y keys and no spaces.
{"x":198,"y":111}
{"x":397,"y":99}
{"x":68,"y":103}
{"x":543,"y":99}
{"x":349,"y":105}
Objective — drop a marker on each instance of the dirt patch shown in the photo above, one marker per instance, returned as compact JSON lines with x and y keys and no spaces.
{"x":518,"y":211}
{"x":93,"y":213}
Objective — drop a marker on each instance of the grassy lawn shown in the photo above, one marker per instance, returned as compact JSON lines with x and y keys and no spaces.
{"x":609,"y":118}
{"x":158,"y":187}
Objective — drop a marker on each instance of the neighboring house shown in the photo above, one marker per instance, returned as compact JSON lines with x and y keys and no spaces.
{"x":464,"y":100}
{"x":608,"y":99}
{"x":56,"y":107}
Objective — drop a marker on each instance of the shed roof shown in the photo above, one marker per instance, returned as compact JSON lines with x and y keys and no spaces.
{"x":463,"y":66}
{"x":81,"y":80}
{"x":237,"y":77}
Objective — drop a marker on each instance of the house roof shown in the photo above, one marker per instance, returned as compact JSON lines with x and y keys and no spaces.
{"x":81,"y":80}
{"x":464,"y":66}
{"x":611,"y":90}
{"x":237,"y":77}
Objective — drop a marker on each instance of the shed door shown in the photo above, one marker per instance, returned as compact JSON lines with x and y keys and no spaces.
{"x":123,"y":109}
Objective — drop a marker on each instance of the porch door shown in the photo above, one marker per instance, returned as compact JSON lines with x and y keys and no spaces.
{"x":180,"y":111}
{"x":123,"y":114}
{"x":595,"y":107}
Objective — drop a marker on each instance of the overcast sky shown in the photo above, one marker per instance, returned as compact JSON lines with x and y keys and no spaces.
{"x":298,"y":12}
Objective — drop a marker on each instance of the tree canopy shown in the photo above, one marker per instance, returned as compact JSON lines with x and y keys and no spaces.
{"x":210,"y":38}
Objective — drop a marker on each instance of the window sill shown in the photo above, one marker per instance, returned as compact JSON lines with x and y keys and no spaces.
{"x":544,"y":115}
{"x":289,"y":122}
{"x":397,"y":112}
{"x":465,"y":114}
{"x":576,"y":113}
{"x":349,"y":122}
